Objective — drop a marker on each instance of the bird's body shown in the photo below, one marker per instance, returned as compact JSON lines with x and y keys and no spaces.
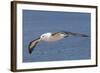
{"x":49,"y":37}
{"x":52,"y":37}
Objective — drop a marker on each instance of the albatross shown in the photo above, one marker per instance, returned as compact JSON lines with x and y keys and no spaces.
{"x":52,"y":37}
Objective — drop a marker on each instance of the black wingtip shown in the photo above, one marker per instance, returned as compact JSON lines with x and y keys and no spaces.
{"x":30,"y":51}
{"x":85,"y":36}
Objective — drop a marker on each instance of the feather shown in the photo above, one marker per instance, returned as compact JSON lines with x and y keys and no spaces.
{"x":33,"y":44}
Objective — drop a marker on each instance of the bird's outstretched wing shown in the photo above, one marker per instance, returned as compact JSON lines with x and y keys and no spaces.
{"x":70,"y":34}
{"x":33,"y":44}
{"x":75,"y":34}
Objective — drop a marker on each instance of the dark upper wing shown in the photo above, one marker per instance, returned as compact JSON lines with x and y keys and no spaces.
{"x":70,"y":34}
{"x":76,"y":34}
{"x":33,"y":44}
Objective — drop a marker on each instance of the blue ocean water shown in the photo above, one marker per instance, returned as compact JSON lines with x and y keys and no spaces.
{"x":36,"y":23}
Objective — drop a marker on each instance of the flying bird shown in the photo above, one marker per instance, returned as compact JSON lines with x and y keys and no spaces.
{"x":52,"y":37}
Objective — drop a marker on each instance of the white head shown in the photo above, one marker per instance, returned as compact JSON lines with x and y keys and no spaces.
{"x":45,"y":36}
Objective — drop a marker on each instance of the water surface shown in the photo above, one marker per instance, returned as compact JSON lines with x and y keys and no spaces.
{"x":36,"y":23}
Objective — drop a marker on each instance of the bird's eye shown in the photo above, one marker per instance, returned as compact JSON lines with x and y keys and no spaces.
{"x":42,"y":36}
